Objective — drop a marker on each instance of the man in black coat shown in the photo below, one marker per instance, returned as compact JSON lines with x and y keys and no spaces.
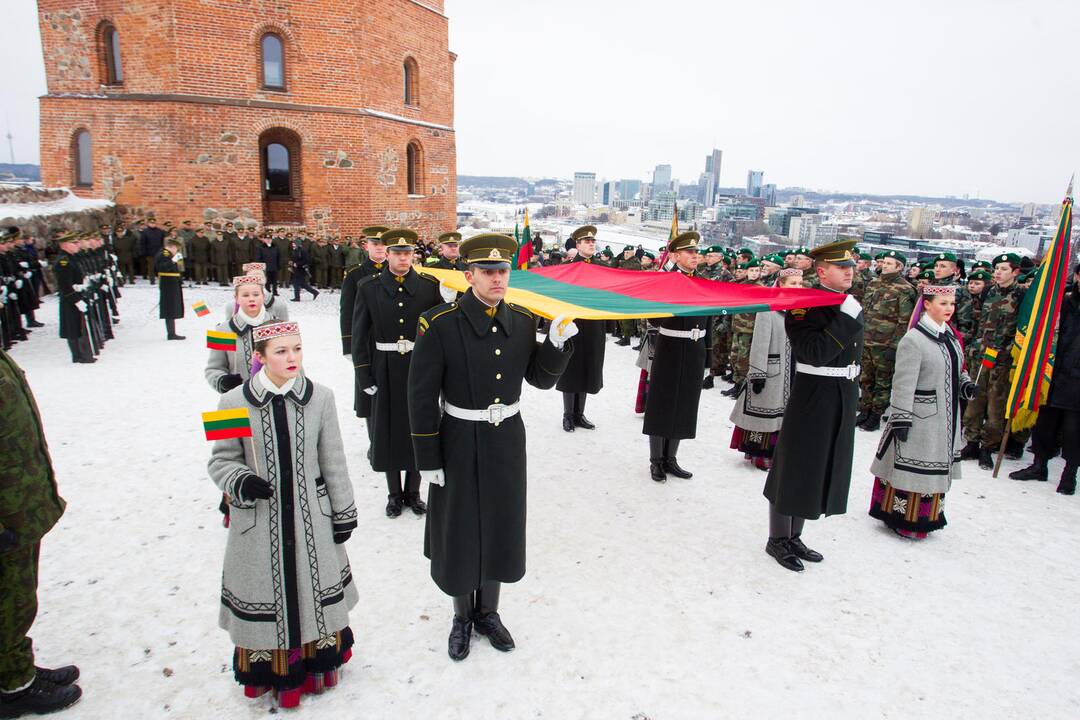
{"x":385,"y":315}
{"x":69,"y":281}
{"x":373,"y":265}
{"x":449,"y":257}
{"x":299,"y":264}
{"x":682,"y":344}
{"x":464,"y":389}
{"x":1058,"y":425}
{"x":811,"y":470}
{"x":151,"y":240}
{"x":170,"y":290}
{"x":268,"y":254}
{"x":584,"y":373}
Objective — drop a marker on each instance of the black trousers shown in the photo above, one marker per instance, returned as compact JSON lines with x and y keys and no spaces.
{"x":1055,"y":430}
{"x":18,"y":608}
{"x":271,"y":281}
{"x":80,"y":348}
{"x":300,"y":282}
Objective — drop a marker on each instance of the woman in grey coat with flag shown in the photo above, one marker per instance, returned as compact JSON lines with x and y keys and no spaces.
{"x":286,"y":587}
{"x":919,"y":453}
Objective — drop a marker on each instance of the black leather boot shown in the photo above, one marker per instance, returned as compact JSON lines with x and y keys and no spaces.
{"x":708,"y":383}
{"x":873,"y":422}
{"x":624,"y":341}
{"x":986,"y":458}
{"x":1067,"y":486}
{"x":970,"y":451}
{"x":395,"y":499}
{"x":39,"y":698}
{"x":568,"y":412}
{"x":781,"y":551}
{"x":862,"y":417}
{"x":412,"y":493}
{"x":656,"y":458}
{"x":1014,"y":450}
{"x":798,"y":546}
{"x":461,"y":629}
{"x":671,"y":447}
{"x":733,"y":391}
{"x":579,"y":413}
{"x":1035,"y":471}
{"x":486,"y":619}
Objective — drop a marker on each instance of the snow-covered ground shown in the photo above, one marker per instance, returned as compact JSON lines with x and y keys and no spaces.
{"x":641,"y":600}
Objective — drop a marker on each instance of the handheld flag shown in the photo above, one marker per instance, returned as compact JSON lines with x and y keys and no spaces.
{"x":227,"y":424}
{"x":989,"y":358}
{"x":200,"y":309}
{"x":674,"y":233}
{"x":216,"y":340}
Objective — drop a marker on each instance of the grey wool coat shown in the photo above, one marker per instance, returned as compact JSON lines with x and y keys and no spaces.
{"x":222,"y":363}
{"x":285,"y":582}
{"x":928,"y":384}
{"x":770,"y":360}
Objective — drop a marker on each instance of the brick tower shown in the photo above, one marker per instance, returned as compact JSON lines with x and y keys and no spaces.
{"x":328,"y":114}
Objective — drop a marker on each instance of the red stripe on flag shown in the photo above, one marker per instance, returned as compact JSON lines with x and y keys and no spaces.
{"x":228,"y":433}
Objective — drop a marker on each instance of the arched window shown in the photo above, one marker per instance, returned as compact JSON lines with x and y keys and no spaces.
{"x":414,"y":161}
{"x":82,"y":153}
{"x":272,"y":51}
{"x":412,"y":82}
{"x":112,"y":70}
{"x":278,"y":177}
{"x":279,"y":152}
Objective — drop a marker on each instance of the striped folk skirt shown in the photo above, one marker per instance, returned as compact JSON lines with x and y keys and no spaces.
{"x":910,"y":514}
{"x":308,"y":666}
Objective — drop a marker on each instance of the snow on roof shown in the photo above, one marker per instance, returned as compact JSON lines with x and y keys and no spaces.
{"x":69,"y":203}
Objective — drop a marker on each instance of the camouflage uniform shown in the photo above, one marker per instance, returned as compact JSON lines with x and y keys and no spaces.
{"x":984,"y":420}
{"x":627,"y":327}
{"x":889,"y":302}
{"x":972,"y":352}
{"x":29,"y":507}
{"x":964,"y":317}
{"x":742,"y":335}
{"x":720,"y":358}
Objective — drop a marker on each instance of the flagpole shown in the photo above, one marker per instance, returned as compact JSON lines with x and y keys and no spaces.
{"x":1001,"y":448}
{"x":254,"y":457}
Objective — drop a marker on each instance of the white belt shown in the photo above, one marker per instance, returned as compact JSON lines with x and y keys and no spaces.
{"x":848,"y":373}
{"x":493,"y":414}
{"x":401,"y":346}
{"x":695,"y":334}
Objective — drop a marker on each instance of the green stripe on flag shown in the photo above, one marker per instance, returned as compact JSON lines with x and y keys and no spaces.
{"x":226,"y":424}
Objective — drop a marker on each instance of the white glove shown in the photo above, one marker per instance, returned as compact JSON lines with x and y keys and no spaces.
{"x":81,"y":305}
{"x":178,"y":257}
{"x":42,"y":263}
{"x":561,"y":330}
{"x":851,"y":307}
{"x":24,"y":264}
{"x":27,"y":275}
{"x":78,"y":287}
{"x":371,"y":390}
{"x":14,"y":296}
{"x":115,"y":259}
{"x":448,"y":294}
{"x":18,"y":284}
{"x":435,"y":477}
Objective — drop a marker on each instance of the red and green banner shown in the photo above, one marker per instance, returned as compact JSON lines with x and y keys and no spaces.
{"x":227,"y":424}
{"x":592,"y":292}
{"x":523,"y":254}
{"x":1033,"y":346}
{"x":216,"y":340}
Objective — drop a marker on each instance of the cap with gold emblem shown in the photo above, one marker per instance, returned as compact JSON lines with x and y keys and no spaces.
{"x":494,"y":249}
{"x":400,"y":239}
{"x":8,"y":233}
{"x":685,"y":241}
{"x":450,"y":237}
{"x":585,"y":232}
{"x":374,"y":233}
{"x":65,"y":236}
{"x":837,"y":253}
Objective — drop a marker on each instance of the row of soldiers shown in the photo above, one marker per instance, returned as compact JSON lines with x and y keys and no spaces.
{"x":22,"y":282}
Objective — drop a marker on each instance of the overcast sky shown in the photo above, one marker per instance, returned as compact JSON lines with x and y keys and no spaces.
{"x":944,"y":97}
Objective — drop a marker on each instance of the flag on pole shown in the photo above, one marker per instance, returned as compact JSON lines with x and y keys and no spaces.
{"x":1033,"y":346}
{"x":227,"y":424}
{"x":200,"y":309}
{"x":989,"y":358}
{"x":216,"y":340}
{"x":674,"y":233}
{"x":524,"y":251}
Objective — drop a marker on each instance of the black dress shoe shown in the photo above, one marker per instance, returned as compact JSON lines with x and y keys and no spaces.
{"x":583,"y":422}
{"x":419,"y":507}
{"x":460,"y":635}
{"x":708,"y":383}
{"x":35,"y":323}
{"x":490,"y":624}
{"x":803,"y":552}
{"x":862,"y":417}
{"x":60,"y":676}
{"x":568,"y":423}
{"x":87,"y":361}
{"x":394,"y":505}
{"x":986,"y":459}
{"x":970,"y":451}
{"x":1067,"y":484}
{"x":1014,"y":450}
{"x":672,"y":466}
{"x":656,"y":470}
{"x":176,"y":337}
{"x":873,"y":422}
{"x":623,"y":341}
{"x":783,"y":553}
{"x":1035,"y":471}
{"x":40,"y":698}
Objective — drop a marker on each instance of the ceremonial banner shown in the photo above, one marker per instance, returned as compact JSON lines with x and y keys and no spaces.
{"x":585,"y":291}
{"x":227,"y":424}
{"x":524,"y":252}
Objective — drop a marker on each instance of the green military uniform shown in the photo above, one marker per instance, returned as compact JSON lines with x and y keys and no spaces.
{"x":282,"y":243}
{"x":124,"y":246}
{"x":219,"y":256}
{"x":889,"y":302}
{"x":742,"y":335}
{"x":972,"y":351}
{"x":29,"y":507}
{"x":337,"y":265}
{"x":320,"y":264}
{"x":200,"y":257}
{"x":626,"y":327}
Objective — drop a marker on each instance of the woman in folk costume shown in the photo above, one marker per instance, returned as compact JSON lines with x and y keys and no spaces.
{"x":276,"y":310}
{"x":759,"y":407}
{"x":225,"y":369}
{"x":919,"y":453}
{"x":286,"y":585}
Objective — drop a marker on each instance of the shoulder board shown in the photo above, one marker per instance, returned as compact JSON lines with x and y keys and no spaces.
{"x":517,"y":308}
{"x":430,"y":278}
{"x":64,"y":261}
{"x":798,"y":313}
{"x":431,"y":261}
{"x":366,"y":280}
{"x":439,"y":310}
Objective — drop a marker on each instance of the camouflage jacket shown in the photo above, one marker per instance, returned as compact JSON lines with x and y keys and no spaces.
{"x":29,"y":502}
{"x":887,"y":304}
{"x":715,"y":272}
{"x":860,"y":281}
{"x":627,"y":264}
{"x":997,"y":326}
{"x":744,"y":322}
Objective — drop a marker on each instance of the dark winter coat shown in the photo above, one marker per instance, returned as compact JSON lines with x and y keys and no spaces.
{"x":299,"y":258}
{"x":219,"y":252}
{"x":386,"y":311}
{"x":269,"y":255}
{"x":361,"y":400}
{"x":151,"y":240}
{"x":1065,"y":383}
{"x":811,"y":471}
{"x":69,"y":274}
{"x":200,"y":249}
{"x":585,"y":371}
{"x":170,"y":288}
{"x":476,"y":521}
{"x":125,"y":244}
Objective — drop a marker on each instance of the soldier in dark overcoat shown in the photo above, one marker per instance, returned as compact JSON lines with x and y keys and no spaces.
{"x":69,"y":281}
{"x":449,"y":257}
{"x":682,"y":344}
{"x":469,"y":362}
{"x":811,"y":470}
{"x":584,"y":373}
{"x":170,"y":286}
{"x":385,"y":315}
{"x":373,"y":265}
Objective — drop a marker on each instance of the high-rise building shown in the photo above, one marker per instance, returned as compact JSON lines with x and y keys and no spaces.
{"x":662,"y":206}
{"x":768,"y":192}
{"x":661,"y":179}
{"x":921,"y":221}
{"x":753,"y":183}
{"x":629,"y":189}
{"x":809,"y":231}
{"x":609,"y":192}
{"x":584,"y":188}
{"x":712,"y":168}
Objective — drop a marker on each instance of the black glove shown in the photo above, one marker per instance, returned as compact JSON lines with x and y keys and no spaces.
{"x":901,"y":433}
{"x":757,"y":386}
{"x":969,"y":391}
{"x":889,"y":354}
{"x":341,"y":537}
{"x":228,"y":382}
{"x":8,"y":541}
{"x":253,"y":487}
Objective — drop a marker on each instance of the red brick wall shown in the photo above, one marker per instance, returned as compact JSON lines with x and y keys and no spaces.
{"x":200,"y":157}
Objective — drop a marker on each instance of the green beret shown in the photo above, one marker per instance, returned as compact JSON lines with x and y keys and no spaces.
{"x":746,"y":251}
{"x":714,"y":249}
{"x":774,"y":259}
{"x":979,"y":274}
{"x":753,"y":264}
{"x":649,"y":255}
{"x":894,"y":254}
{"x":1011,"y":258}
{"x":865,"y":256}
{"x":742,"y":266}
{"x":926,"y":275}
{"x":606,"y":252}
{"x":982,"y":264}
{"x":788,"y":253}
{"x":946,"y":256}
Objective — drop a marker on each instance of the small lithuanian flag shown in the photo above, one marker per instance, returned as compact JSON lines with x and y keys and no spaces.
{"x":989,"y":358}
{"x":216,"y":340}
{"x":200,"y":309}
{"x":227,"y":424}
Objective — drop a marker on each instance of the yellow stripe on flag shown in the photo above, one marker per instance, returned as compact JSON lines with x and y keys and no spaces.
{"x":230,"y":414}
{"x":217,"y":335}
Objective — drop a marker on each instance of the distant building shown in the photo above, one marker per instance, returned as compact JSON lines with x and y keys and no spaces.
{"x":629,"y":189}
{"x":661,"y":179}
{"x":609,"y":192}
{"x":921,"y":221}
{"x":810,"y":231}
{"x":584,"y":188}
{"x":712,"y":169}
{"x":753,"y":183}
{"x":662,"y":206}
{"x":768,"y":193}
{"x":1035,"y":238}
